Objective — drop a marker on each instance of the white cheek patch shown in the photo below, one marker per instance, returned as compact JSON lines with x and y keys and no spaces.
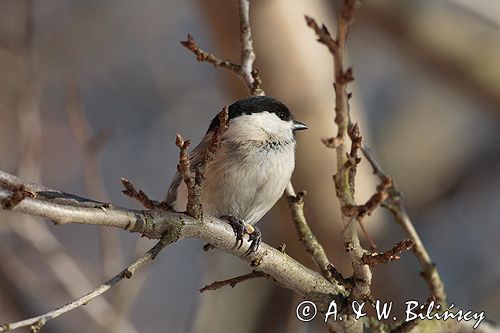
{"x":260,"y":126}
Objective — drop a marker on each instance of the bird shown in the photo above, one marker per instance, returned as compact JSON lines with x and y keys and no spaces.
{"x":251,"y":168}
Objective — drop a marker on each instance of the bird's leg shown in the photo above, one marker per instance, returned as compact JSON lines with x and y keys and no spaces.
{"x":238,"y":228}
{"x":255,"y":236}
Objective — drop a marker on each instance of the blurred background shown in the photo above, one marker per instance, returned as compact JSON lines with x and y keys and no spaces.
{"x":91,"y":91}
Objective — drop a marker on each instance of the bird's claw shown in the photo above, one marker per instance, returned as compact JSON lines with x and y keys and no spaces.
{"x":255,"y":237}
{"x":240,"y":228}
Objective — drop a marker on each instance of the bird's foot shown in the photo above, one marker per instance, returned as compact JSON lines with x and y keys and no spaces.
{"x":240,"y":227}
{"x":255,"y":237}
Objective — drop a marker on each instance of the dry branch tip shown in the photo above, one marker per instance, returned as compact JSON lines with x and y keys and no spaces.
{"x":372,"y":259}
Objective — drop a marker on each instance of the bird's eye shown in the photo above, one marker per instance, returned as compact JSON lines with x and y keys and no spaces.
{"x":281,"y":115}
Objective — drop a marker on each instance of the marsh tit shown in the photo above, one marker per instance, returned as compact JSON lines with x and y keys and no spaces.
{"x":250,"y":170}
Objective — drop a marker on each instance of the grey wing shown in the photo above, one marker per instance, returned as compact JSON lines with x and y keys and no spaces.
{"x":195,"y":157}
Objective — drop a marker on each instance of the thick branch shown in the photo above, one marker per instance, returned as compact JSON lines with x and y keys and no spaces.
{"x":67,"y":208}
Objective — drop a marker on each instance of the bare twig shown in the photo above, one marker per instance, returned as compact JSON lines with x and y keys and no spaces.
{"x":323,"y":34}
{"x":61,"y":264}
{"x":344,"y":178}
{"x":247,"y":51}
{"x":65,"y":268}
{"x":352,"y":165}
{"x":126,"y":294}
{"x":204,"y":56}
{"x":354,"y":159}
{"x":234,"y":281}
{"x":375,"y":201}
{"x":223,"y":117}
{"x":195,"y":181}
{"x":138,"y":195}
{"x":245,"y":71}
{"x":372,"y":259}
{"x":193,"y":207}
{"x":395,"y":205}
{"x":39,"y":321}
{"x":306,"y":236}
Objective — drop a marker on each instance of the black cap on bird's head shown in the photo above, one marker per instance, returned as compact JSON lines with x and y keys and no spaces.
{"x":256,"y":104}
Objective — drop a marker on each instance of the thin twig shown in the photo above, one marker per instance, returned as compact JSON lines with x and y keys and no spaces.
{"x":323,"y":34}
{"x":234,"y":281}
{"x":63,"y":266}
{"x":376,"y":200}
{"x":245,"y":71}
{"x":344,"y":178}
{"x":247,"y":52}
{"x":204,"y":56}
{"x":195,"y":180}
{"x":126,"y":294}
{"x":126,"y":273}
{"x":397,"y":208}
{"x":215,"y":141}
{"x":372,"y":259}
{"x":352,"y":166}
{"x":139,"y":195}
{"x":306,"y":236}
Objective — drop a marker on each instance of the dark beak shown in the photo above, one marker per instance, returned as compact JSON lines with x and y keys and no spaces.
{"x":298,"y":126}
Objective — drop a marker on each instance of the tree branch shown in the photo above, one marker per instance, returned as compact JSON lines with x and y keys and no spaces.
{"x":245,"y":71}
{"x":344,"y":178}
{"x":140,"y":196}
{"x":252,"y":80}
{"x":67,"y":208}
{"x":234,"y":281}
{"x":247,"y":52}
{"x":36,"y":323}
{"x":374,"y":258}
{"x":306,"y":236}
{"x":195,"y":180}
{"x":204,"y":56}
{"x":397,"y":208}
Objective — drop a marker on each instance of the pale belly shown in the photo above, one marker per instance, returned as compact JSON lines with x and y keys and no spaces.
{"x":245,"y":189}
